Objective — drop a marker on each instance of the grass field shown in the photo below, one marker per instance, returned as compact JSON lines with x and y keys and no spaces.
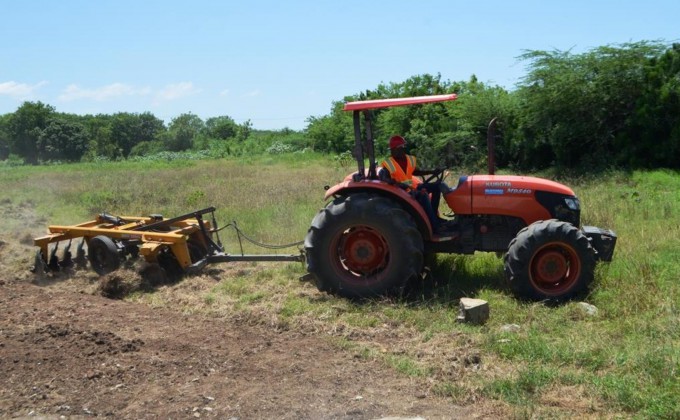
{"x":553,"y":362}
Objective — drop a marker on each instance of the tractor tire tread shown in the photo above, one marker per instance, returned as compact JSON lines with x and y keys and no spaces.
{"x":363,"y":206}
{"x":521,"y":250}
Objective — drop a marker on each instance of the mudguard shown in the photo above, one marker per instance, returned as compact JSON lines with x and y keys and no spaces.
{"x":410,"y":204}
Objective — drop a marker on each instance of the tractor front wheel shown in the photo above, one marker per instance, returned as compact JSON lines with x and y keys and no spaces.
{"x":363,"y":245}
{"x":549,"y":260}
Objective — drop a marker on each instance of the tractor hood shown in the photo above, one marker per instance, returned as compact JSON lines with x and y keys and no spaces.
{"x":513,"y":184}
{"x":524,"y":197}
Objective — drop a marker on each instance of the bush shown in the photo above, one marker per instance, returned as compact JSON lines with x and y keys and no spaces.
{"x":278,"y":148}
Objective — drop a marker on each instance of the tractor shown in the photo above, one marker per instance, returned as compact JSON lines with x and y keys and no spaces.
{"x":373,"y":237}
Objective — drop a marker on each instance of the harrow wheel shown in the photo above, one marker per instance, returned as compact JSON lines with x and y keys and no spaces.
{"x":103,"y":255}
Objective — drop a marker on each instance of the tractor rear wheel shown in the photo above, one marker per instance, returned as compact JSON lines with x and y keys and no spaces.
{"x":363,"y":245}
{"x":103,"y":254}
{"x":549,"y":260}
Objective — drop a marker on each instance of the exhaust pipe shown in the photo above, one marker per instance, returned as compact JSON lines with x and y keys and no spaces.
{"x":491,"y":146}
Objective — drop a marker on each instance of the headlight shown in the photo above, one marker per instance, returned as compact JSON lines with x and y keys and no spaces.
{"x":572,"y":203}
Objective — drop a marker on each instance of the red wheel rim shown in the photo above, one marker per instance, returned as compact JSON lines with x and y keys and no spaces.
{"x":361,"y":250}
{"x":555,"y":268}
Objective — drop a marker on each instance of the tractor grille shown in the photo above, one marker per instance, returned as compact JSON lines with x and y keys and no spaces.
{"x":557,"y":206}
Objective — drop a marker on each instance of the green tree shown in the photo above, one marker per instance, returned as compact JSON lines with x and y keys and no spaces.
{"x":4,"y":136}
{"x":150,"y":127}
{"x":416,"y":122}
{"x":100,"y":141}
{"x":222,"y":127}
{"x":243,"y":131}
{"x":147,"y":148}
{"x":653,"y":136}
{"x":127,"y":130}
{"x":451,"y":133}
{"x":331,"y":133}
{"x":62,"y":140}
{"x":182,"y":132}
{"x":471,"y":114}
{"x":574,"y":106}
{"x":25,"y":127}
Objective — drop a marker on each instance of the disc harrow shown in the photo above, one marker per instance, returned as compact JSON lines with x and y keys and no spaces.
{"x":180,"y":245}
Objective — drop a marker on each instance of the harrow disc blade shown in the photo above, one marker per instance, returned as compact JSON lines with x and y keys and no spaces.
{"x":53,"y":263}
{"x":66,"y":260}
{"x":39,"y":265}
{"x":80,"y":260}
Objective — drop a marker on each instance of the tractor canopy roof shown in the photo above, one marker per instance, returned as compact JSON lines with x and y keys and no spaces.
{"x":386,"y":103}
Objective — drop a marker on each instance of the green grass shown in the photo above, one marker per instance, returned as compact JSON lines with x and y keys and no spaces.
{"x":624,"y":361}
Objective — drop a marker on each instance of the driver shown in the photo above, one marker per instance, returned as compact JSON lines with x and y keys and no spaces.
{"x":400,"y":169}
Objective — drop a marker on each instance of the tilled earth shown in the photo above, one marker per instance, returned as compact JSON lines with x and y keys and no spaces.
{"x":73,"y":354}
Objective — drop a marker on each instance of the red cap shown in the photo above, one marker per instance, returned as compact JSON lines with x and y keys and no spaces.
{"x":397,"y":141}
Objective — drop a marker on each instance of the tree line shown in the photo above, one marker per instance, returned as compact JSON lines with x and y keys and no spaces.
{"x":610,"y":106}
{"x":35,"y":132}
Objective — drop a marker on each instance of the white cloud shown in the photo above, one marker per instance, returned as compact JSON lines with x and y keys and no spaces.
{"x":115,"y":90}
{"x":176,"y":91}
{"x":225,"y":92}
{"x":252,"y":93}
{"x":19,"y":90}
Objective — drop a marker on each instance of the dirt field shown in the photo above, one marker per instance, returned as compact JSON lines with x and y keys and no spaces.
{"x":69,"y":352}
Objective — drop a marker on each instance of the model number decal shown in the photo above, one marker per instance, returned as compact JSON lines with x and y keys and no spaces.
{"x":519,"y":191}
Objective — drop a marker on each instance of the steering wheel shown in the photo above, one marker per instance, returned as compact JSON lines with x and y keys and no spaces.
{"x":437,"y":176}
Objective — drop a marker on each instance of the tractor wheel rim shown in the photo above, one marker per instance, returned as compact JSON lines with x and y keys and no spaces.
{"x":555,"y":268}
{"x":362,"y":250}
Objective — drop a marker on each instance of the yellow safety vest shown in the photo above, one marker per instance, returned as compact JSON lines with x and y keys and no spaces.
{"x":398,"y":174}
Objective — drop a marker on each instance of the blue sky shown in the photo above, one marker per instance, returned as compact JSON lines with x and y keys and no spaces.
{"x":276,"y":63}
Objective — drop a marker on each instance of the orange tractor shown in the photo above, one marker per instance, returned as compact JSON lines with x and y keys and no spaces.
{"x":372,"y":237}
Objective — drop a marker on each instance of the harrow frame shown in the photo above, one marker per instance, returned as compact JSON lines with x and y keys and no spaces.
{"x":184,"y":243}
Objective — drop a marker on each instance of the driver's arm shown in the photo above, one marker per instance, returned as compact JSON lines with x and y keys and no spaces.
{"x":385,"y":176}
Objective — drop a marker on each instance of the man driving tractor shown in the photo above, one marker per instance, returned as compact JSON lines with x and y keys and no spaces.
{"x":400,"y":169}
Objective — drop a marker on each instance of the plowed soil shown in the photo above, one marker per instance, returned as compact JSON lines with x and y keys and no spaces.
{"x":74,"y":354}
{"x":69,"y":353}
